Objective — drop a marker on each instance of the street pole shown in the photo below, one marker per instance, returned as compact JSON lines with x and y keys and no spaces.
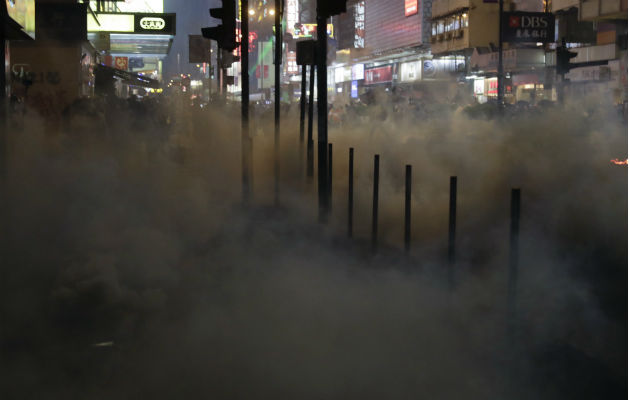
{"x":309,"y":137}
{"x":278,"y":66}
{"x":500,"y":66}
{"x":246,"y":141}
{"x":322,"y":114}
{"x":302,"y":106}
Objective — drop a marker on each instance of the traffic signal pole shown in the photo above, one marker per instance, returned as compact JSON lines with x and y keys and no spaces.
{"x":246,"y":140}
{"x":277,"y":70}
{"x":322,"y":116}
{"x":500,"y":73}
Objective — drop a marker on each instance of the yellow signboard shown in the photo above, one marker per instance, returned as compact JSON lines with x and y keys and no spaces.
{"x":23,"y":12}
{"x":111,"y":23}
{"x":146,"y":6}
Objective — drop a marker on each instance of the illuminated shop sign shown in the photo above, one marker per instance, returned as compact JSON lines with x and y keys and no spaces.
{"x":358,"y":72}
{"x":154,"y":23}
{"x":354,"y":90}
{"x":410,"y":71}
{"x":379,"y":75}
{"x":411,"y":7}
{"x":359,"y":25}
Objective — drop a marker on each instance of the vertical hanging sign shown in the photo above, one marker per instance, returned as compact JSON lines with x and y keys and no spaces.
{"x":411,"y":7}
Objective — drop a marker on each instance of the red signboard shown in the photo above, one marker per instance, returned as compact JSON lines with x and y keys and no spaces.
{"x":121,"y":63}
{"x":411,"y":7}
{"x":378,"y":75}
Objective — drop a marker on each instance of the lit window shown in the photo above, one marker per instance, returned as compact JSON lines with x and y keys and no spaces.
{"x":465,"y":20}
{"x":457,"y":22}
{"x":440,"y":27}
{"x":434,"y":29}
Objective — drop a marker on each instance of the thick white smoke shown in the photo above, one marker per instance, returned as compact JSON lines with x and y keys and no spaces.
{"x":121,"y":231}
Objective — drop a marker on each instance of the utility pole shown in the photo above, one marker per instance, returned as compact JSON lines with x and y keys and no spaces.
{"x":277,"y":70}
{"x":322,"y":115}
{"x":325,"y":9}
{"x":500,"y":73}
{"x":245,"y":136}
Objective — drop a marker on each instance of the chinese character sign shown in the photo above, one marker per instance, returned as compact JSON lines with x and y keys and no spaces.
{"x":121,"y":63}
{"x":522,"y":27}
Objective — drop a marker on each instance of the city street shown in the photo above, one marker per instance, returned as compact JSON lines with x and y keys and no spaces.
{"x":314,"y":199}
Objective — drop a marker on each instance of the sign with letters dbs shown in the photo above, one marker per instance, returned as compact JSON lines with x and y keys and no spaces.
{"x":522,"y":27}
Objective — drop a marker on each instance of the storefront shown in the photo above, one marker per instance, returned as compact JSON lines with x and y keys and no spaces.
{"x":134,"y":42}
{"x":18,"y":23}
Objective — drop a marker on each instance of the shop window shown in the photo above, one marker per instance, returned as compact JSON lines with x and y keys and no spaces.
{"x":464,"y":20}
{"x":434,"y":29}
{"x":440,"y":27}
{"x":457,"y":22}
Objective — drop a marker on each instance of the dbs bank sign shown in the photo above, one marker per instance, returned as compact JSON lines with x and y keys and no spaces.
{"x":411,"y":7}
{"x":521,"y":27}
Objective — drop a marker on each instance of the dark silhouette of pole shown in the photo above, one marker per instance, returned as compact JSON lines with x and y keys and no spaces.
{"x":277,"y":69}
{"x":310,"y":156}
{"x":322,"y":113}
{"x":515,"y":214}
{"x":350,"y":190}
{"x":452,"y":214}
{"x":500,"y":65}
{"x":246,"y":141}
{"x":302,"y":117}
{"x":407,"y":208}
{"x":375,"y":205}
{"x":330,"y":173}
{"x":302,"y":106}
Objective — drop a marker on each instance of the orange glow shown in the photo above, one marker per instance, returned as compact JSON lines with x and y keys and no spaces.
{"x":617,"y":161}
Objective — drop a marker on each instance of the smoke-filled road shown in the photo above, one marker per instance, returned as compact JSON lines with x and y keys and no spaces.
{"x":131,"y":269}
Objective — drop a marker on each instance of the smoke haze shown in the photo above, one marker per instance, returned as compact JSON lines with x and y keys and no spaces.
{"x":131,"y":269}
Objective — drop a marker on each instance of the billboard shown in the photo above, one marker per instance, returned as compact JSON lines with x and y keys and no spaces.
{"x":309,"y":30}
{"x":23,"y":12}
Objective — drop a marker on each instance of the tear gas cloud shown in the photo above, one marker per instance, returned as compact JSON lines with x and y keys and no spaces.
{"x":132,"y":270}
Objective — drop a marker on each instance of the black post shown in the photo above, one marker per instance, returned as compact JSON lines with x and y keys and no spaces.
{"x":246,"y":141}
{"x":513,"y":273}
{"x":322,"y":113}
{"x":350,"y":190}
{"x":375,"y":206}
{"x":277,"y":68}
{"x":302,"y":106}
{"x":5,"y":114}
{"x":407,"y":208}
{"x":310,"y":159}
{"x":500,"y":66}
{"x":452,"y":214}
{"x":330,"y":174}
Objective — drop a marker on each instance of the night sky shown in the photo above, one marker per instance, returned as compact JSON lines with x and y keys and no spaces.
{"x":192,"y":15}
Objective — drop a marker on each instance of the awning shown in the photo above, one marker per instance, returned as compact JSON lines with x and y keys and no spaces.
{"x":130,"y":78}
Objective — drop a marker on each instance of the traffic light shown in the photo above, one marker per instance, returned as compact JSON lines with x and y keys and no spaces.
{"x":224,"y":33}
{"x":328,"y":8}
{"x":563,"y":59}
